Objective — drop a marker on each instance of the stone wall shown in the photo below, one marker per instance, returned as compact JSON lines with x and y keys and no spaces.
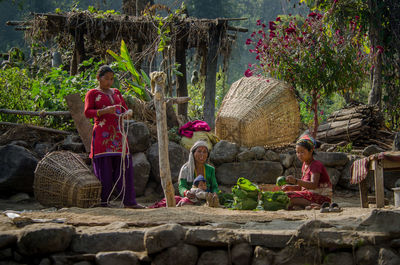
{"x":258,"y":164}
{"x":374,"y":240}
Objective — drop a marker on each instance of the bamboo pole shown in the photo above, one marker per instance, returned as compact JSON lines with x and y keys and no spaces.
{"x":158,"y":80}
{"x":36,"y":113}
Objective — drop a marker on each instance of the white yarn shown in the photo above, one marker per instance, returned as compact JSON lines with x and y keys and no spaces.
{"x":125,"y":151}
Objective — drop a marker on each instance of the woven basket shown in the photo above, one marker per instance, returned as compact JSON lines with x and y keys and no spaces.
{"x":62,"y":179}
{"x":259,"y":112}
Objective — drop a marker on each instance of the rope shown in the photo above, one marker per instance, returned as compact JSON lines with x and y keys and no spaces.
{"x":124,"y":157}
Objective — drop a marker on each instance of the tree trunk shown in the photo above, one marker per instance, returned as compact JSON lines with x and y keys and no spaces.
{"x":315,"y":110}
{"x":375,"y":94}
{"x":82,"y":123}
{"x":211,"y":73}
{"x":162,"y":135}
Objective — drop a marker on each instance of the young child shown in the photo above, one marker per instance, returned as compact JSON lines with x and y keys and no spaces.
{"x":199,"y":189}
{"x":315,"y":187}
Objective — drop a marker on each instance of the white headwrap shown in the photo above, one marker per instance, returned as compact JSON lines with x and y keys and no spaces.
{"x":187,"y":170}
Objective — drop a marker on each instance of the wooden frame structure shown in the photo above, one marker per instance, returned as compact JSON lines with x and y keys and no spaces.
{"x":94,"y":33}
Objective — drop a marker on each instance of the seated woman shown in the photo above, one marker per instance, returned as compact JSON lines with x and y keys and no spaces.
{"x":315,"y":187}
{"x":194,"y":167}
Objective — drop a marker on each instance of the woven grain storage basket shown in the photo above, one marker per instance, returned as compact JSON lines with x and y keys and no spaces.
{"x":258,"y":112}
{"x":62,"y":179}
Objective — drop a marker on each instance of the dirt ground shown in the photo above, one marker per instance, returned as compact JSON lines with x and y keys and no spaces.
{"x":31,"y":211}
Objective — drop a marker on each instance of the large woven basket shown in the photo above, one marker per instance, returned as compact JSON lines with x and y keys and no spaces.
{"x":62,"y":179}
{"x":259,"y":112}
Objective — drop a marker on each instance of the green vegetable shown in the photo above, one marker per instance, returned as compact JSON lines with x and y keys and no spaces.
{"x":280,"y":181}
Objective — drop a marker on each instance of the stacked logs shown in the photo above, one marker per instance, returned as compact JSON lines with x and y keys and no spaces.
{"x":361,"y":125}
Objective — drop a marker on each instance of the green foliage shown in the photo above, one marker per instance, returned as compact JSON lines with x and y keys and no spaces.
{"x":44,"y":92}
{"x":15,"y":92}
{"x":345,"y":149}
{"x":196,"y":93}
{"x":173,"y":135}
{"x":140,"y":80}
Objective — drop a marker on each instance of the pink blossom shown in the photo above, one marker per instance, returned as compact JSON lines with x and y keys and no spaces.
{"x":272,"y":34}
{"x":290,"y":30}
{"x":248,"y":41}
{"x":259,"y":22}
{"x":253,"y":34}
{"x":278,"y":19}
{"x":248,"y":73}
{"x":312,"y":14}
{"x":380,"y":48}
{"x":263,"y":25}
{"x":272,"y":25}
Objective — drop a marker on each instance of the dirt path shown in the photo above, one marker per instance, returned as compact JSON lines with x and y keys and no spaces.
{"x":351,"y":215}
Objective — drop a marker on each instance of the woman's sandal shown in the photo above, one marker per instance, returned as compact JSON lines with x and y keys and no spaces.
{"x":325,"y":207}
{"x":334,"y":208}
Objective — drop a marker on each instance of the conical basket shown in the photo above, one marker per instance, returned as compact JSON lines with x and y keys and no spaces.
{"x":62,"y":179}
{"x":259,"y":112}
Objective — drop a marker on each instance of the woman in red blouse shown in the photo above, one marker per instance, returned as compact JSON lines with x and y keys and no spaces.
{"x":315,"y":187}
{"x":106,"y":105}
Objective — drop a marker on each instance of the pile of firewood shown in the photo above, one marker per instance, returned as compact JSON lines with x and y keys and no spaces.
{"x":361,"y":125}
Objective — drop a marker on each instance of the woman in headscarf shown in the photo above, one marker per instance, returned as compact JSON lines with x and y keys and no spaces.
{"x":196,"y":166}
{"x":315,"y":187}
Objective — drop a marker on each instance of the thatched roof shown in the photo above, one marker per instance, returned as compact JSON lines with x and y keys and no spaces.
{"x":103,"y":32}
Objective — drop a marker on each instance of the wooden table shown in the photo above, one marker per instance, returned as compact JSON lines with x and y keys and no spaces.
{"x":378,"y":163}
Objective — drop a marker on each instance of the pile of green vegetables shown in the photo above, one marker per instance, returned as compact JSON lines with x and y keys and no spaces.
{"x":247,"y":196}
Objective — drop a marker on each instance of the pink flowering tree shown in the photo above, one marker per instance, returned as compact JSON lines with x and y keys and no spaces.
{"x":312,"y":56}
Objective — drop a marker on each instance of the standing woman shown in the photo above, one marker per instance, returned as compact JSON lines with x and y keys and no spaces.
{"x":106,"y":105}
{"x":315,"y":187}
{"x":194,"y":167}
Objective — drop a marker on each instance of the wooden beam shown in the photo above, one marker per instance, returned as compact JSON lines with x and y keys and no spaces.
{"x":240,"y":29}
{"x":180,"y":100}
{"x":82,"y":124}
{"x":158,"y":79}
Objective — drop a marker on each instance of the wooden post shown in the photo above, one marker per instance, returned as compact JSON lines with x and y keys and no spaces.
{"x":158,"y":80}
{"x":82,"y":123}
{"x":379,"y":187}
{"x":363,"y":186}
{"x":182,"y":91}
{"x":211,"y":73}
{"x":79,"y":52}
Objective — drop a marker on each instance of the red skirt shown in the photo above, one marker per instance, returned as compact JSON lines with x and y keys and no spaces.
{"x":312,"y":197}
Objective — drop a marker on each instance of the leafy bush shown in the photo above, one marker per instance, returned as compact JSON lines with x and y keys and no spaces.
{"x":312,"y":56}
